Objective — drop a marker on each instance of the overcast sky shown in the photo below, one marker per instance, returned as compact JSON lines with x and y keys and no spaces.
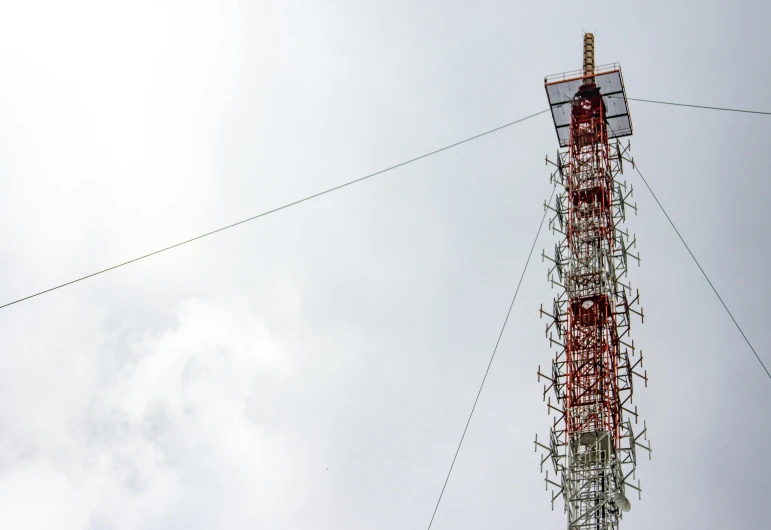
{"x":315,"y":369}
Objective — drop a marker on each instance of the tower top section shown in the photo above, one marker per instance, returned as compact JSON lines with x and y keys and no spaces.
{"x":589,"y":57}
{"x":562,"y":91}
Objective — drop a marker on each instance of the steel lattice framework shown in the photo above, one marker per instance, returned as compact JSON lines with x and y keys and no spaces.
{"x":592,"y":447}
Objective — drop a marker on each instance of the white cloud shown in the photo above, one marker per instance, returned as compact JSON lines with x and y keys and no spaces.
{"x":109,"y":126}
{"x":177,"y":414}
{"x":40,"y":496}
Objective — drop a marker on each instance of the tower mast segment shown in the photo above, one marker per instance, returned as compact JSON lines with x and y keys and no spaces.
{"x":591,"y":446}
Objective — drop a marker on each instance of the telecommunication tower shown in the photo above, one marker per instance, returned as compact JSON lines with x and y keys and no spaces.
{"x":591,"y":446}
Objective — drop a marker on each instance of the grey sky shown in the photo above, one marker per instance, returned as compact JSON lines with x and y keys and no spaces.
{"x":314,"y":369}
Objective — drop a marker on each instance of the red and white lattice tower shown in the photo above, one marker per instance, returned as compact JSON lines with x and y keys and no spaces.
{"x":591,"y":446}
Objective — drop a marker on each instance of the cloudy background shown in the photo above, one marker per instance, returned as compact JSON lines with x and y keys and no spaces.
{"x":314,"y":369}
